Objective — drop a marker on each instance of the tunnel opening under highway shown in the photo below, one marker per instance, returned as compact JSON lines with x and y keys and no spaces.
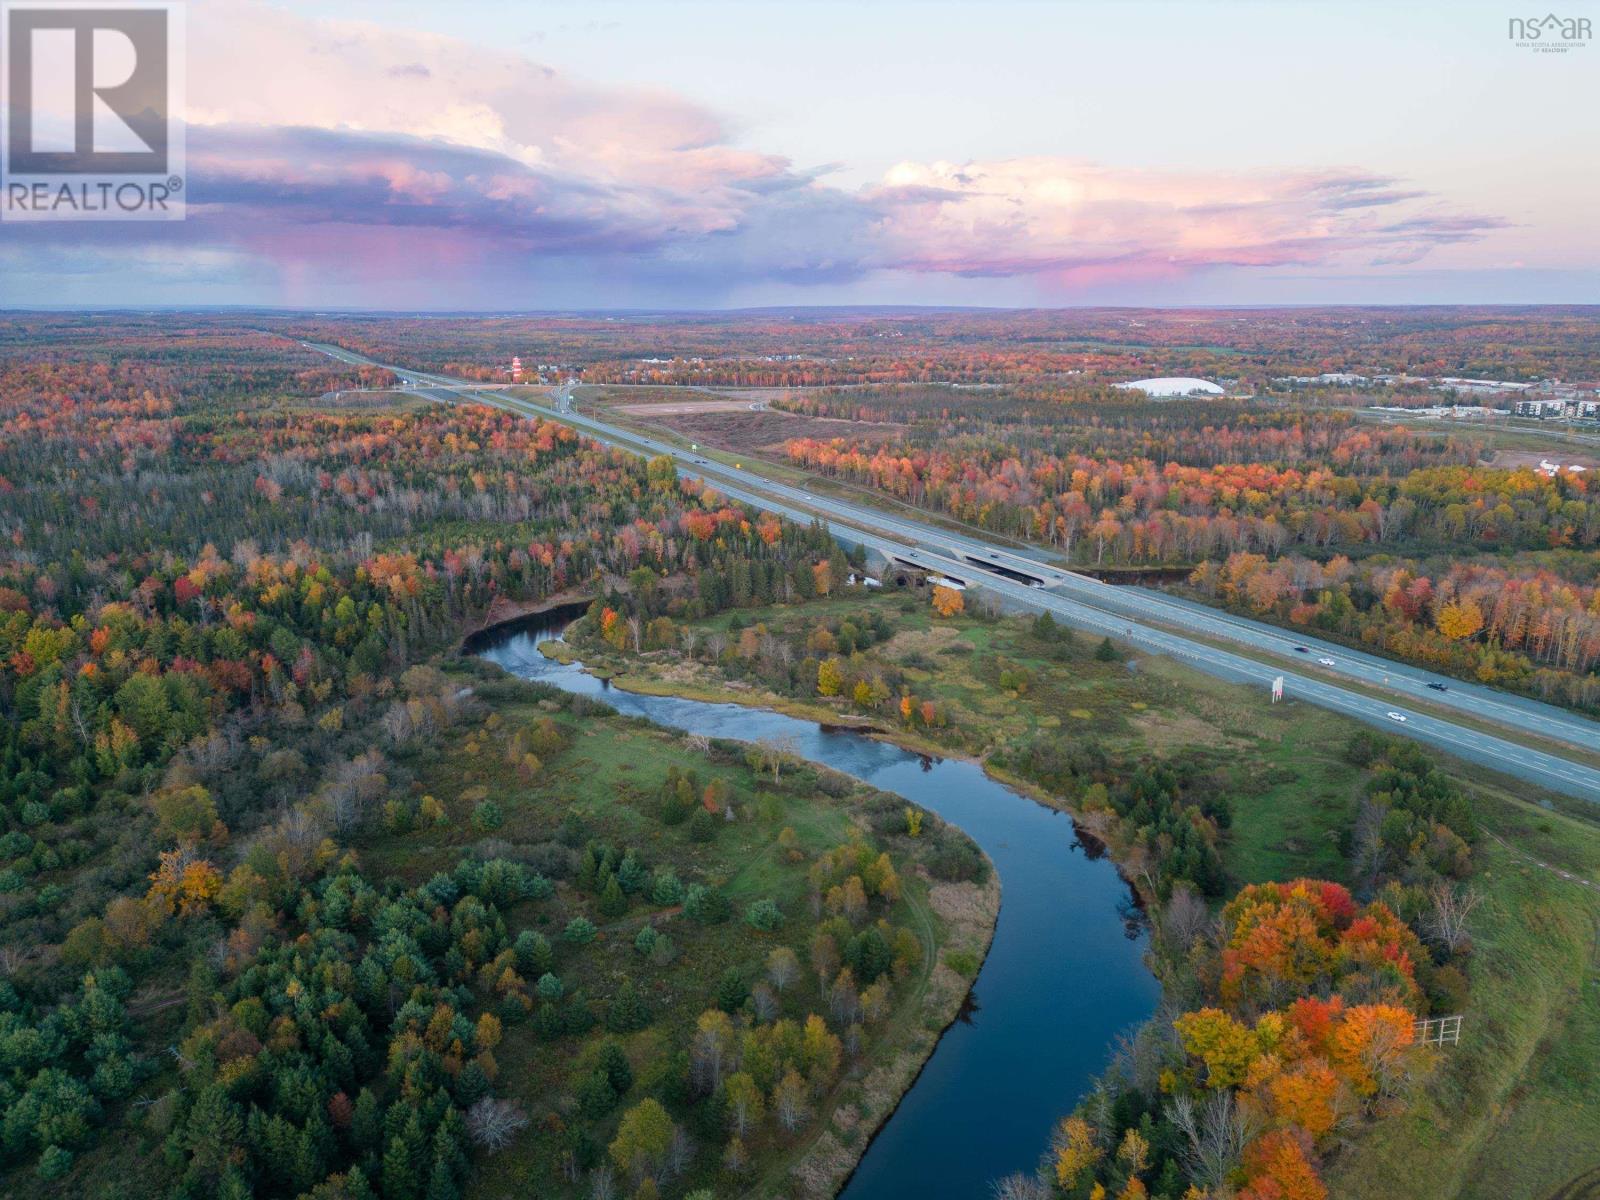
{"x":1009,"y":572}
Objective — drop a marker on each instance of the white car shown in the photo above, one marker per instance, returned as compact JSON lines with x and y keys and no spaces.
{"x":1394,"y":716}
{"x":1327,"y":662}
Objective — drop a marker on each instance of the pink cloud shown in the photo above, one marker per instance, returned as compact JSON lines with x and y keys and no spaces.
{"x":1081,"y":221}
{"x":345,"y":151}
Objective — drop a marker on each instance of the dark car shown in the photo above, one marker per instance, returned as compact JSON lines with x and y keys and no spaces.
{"x":1439,"y":687}
{"x":1302,"y":650}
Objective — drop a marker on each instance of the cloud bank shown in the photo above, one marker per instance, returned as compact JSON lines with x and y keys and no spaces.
{"x":349,"y":160}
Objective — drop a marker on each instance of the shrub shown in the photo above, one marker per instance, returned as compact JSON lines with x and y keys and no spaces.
{"x":487,"y":817}
{"x":580,"y":931}
{"x":962,"y":962}
{"x":702,"y":826}
{"x":956,"y":860}
{"x":54,"y":1162}
{"x":763,"y":915}
{"x":666,"y":890}
{"x":706,"y":905}
{"x":663,"y":952}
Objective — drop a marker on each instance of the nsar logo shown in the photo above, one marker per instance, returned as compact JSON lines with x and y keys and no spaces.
{"x":1549,"y":34}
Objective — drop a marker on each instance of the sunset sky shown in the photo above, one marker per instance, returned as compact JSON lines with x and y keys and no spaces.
{"x":502,"y":155}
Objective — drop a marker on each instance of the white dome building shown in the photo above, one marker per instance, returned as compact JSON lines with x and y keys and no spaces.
{"x":1173,"y":385}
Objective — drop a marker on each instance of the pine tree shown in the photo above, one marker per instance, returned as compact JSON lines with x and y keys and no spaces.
{"x":399,"y":1172}
{"x":366,"y":1126}
{"x":442,"y":1183}
{"x":731,"y":990}
{"x":449,"y":1143}
{"x":612,"y":902}
{"x":628,"y":1010}
{"x":614,"y":1062}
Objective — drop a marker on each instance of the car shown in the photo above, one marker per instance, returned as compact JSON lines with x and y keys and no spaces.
{"x":1302,"y":649}
{"x":1439,"y":687}
{"x":1394,"y":716}
{"x":1327,"y":662}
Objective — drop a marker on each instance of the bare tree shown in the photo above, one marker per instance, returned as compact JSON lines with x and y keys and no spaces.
{"x":1368,"y":852}
{"x":492,"y":1123}
{"x":602,"y":1184}
{"x":1186,"y":919}
{"x":1143,"y":1055}
{"x":773,"y":754}
{"x":783,"y":967}
{"x":11,"y":960}
{"x":765,"y":1001}
{"x":789,"y":1102}
{"x":1018,"y":1186}
{"x":680,"y":1152}
{"x":1217,"y":1131}
{"x":1446,"y":923}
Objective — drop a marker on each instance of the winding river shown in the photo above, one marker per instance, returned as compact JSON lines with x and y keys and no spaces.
{"x":1064,"y":976}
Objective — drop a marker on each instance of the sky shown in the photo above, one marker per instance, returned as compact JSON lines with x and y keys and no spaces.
{"x":505,"y":155}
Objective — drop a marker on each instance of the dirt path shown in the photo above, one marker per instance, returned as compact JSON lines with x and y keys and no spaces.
{"x":1554,"y":870}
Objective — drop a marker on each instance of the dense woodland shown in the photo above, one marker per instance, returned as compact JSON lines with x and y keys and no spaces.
{"x":217,"y":594}
{"x":1306,"y":515}
{"x":1058,"y":348}
{"x":210,"y":605}
{"x":1010,"y":423}
{"x":1289,"y":1017}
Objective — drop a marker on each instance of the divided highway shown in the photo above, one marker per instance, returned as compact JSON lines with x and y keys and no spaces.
{"x":1147,"y":619}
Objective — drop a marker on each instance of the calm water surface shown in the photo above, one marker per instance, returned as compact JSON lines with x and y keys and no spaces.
{"x":1065,"y":974}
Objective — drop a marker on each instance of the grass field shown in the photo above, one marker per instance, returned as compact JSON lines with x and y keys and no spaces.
{"x":1512,"y":1112}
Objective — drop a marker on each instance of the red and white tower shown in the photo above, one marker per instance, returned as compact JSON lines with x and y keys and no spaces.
{"x":516,"y":370}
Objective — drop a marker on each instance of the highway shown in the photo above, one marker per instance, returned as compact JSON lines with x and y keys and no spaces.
{"x":1149,"y":620}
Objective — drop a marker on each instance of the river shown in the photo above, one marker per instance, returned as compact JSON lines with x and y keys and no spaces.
{"x":1064,"y":976}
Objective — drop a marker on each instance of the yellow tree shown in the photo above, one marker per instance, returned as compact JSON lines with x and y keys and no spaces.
{"x":1225,"y":1045}
{"x":947,"y":602}
{"x":1077,"y":1150}
{"x":830,"y":677}
{"x":184,"y":882}
{"x":1460,"y":621}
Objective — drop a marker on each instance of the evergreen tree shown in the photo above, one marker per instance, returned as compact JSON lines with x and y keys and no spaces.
{"x":628,"y":1010}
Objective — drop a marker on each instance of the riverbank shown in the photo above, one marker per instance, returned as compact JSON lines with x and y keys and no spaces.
{"x":1049,"y":998}
{"x":708,"y":692}
{"x":505,"y":612}
{"x":1524,"y":1075}
{"x":602,"y":774}
{"x":823,"y":1167}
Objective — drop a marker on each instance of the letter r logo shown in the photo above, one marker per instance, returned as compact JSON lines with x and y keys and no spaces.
{"x":87,"y":89}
